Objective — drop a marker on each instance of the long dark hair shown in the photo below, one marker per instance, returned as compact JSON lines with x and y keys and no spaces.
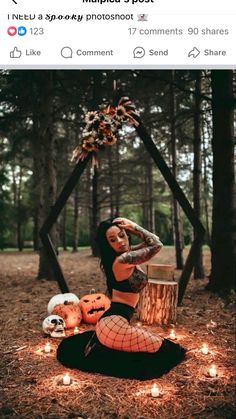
{"x":107,"y":254}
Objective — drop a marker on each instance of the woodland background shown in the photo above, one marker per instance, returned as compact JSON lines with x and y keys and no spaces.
{"x":189,"y":115}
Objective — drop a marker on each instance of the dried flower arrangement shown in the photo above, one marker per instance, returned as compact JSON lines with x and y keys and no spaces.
{"x":102,"y":126}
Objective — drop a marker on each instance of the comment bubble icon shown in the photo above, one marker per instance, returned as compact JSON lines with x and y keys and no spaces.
{"x":66,"y":52}
{"x":139,"y":52}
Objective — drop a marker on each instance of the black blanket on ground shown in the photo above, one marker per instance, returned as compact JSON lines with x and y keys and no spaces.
{"x":86,"y":353}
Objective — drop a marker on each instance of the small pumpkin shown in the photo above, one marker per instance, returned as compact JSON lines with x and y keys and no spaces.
{"x":70,"y":312}
{"x":65,"y":298}
{"x":93,"y":306}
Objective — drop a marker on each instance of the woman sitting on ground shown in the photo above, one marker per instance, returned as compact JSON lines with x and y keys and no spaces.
{"x":116,"y":347}
{"x":125,"y":279}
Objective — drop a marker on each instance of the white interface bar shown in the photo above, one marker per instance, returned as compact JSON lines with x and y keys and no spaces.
{"x":117,"y":33}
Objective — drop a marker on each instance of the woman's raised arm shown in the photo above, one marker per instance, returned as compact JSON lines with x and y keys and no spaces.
{"x":152,"y":244}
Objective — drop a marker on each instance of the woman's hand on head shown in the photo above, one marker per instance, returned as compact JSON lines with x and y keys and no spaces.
{"x":125,"y":223}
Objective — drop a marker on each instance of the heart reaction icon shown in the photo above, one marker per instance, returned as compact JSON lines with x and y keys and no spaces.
{"x":12,"y":30}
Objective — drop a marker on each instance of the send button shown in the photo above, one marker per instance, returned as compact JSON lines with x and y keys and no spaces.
{"x":158,"y":52}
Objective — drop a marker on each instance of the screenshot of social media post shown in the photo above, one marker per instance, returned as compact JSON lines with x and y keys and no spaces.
{"x":117,"y":209}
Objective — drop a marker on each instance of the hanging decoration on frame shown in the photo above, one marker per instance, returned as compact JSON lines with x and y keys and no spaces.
{"x":102,"y":127}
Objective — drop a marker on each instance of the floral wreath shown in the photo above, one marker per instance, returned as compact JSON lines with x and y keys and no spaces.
{"x":102,"y":126}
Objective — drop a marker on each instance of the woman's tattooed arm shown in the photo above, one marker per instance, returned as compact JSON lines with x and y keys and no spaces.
{"x":136,"y":257}
{"x":138,"y":246}
{"x":148,"y":237}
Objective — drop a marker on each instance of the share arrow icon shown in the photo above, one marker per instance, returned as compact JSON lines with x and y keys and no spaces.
{"x":194,"y":52}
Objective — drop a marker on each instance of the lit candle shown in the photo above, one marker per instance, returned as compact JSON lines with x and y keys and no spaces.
{"x":204,"y":349}
{"x":155,"y":391}
{"x":76,"y":330}
{"x":47,"y":348}
{"x":212,"y":371}
{"x":66,"y":379}
{"x":172,"y":334}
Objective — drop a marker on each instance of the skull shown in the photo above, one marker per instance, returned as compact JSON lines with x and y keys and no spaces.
{"x":54,"y":326}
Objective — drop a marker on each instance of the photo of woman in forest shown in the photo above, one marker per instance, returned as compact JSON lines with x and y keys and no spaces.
{"x":95,"y":167}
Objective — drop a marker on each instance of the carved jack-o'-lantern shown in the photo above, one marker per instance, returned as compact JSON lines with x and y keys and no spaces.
{"x":93,"y":306}
{"x":70,"y":312}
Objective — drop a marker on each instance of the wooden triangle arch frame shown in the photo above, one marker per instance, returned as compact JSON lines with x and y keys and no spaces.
{"x":177,"y":193}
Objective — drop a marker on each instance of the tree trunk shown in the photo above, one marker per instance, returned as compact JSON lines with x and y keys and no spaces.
{"x":96,"y":100}
{"x":145,"y":213}
{"x":19,"y":213}
{"x":206,"y":192}
{"x":198,"y":268}
{"x":37,"y":189}
{"x":95,"y":217}
{"x":111,"y":181}
{"x":222,"y":277}
{"x":16,"y":188}
{"x":35,"y":230}
{"x":148,"y":214}
{"x":151,"y":215}
{"x":76,"y":219}
{"x":47,"y":160}
{"x":118,"y":185}
{"x":63,"y":228}
{"x":176,"y":211}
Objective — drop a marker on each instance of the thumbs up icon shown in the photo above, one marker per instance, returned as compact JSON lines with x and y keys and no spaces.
{"x":22,"y":30}
{"x":16,"y":53}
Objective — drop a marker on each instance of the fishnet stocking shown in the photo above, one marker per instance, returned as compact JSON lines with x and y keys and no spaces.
{"x":115,"y":332}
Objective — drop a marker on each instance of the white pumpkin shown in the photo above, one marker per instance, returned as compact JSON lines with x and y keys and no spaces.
{"x":62,"y":299}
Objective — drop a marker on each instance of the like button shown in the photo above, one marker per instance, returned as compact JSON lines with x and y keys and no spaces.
{"x":16,"y":53}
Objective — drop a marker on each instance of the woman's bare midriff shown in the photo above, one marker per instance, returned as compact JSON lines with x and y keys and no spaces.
{"x":125,"y":297}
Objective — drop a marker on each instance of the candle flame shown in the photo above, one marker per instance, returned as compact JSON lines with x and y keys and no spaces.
{"x":204,"y":349}
{"x":47,"y":347}
{"x":213,"y":371}
{"x":172,"y":333}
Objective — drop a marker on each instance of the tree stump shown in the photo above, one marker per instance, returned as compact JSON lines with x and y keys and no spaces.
{"x":158,"y":302}
{"x":162,"y":272}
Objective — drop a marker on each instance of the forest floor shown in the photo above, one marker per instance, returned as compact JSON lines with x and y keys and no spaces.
{"x":31,"y":379}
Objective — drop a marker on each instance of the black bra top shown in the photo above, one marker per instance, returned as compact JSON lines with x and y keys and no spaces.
{"x":135,"y":283}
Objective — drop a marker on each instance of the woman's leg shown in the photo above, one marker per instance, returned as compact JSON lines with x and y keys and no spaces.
{"x":115,"y":332}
